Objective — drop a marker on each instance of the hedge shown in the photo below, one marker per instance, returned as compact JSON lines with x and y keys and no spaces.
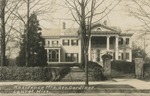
{"x":146,"y":70}
{"x":123,"y":66}
{"x":33,"y":73}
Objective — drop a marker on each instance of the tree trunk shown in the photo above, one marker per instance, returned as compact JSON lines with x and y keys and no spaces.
{"x":3,"y":45}
{"x":86,"y":67}
{"x":82,"y":56}
{"x":27,"y":31}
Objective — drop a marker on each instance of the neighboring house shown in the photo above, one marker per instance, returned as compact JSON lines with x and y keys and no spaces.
{"x":64,"y":45}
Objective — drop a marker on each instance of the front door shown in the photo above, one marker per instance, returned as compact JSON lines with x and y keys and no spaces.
{"x":96,"y":55}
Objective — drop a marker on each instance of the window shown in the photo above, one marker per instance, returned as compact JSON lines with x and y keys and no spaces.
{"x":68,"y":57}
{"x":98,"y":56}
{"x":47,"y":43}
{"x":127,"y":56}
{"x":127,"y":41}
{"x":122,"y":56}
{"x":66,"y":42}
{"x":120,"y":41}
{"x":99,"y":28}
{"x":54,"y":43}
{"x":111,"y":41}
{"x":74,"y":42}
{"x":71,"y":57}
{"x":74,"y":57}
{"x":119,"y":57}
{"x":53,"y":55}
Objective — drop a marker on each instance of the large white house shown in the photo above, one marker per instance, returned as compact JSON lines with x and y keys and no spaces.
{"x":64,"y":45}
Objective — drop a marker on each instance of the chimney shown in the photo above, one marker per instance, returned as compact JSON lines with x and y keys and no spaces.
{"x":105,"y":22}
{"x":64,"y":25}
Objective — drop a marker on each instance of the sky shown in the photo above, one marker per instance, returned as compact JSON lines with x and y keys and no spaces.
{"x":118,"y":17}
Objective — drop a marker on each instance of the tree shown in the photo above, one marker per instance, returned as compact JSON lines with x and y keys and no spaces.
{"x":36,"y":52}
{"x":40,"y":7}
{"x":138,"y":52}
{"x":83,"y":12}
{"x":7,"y":22}
{"x":140,"y":10}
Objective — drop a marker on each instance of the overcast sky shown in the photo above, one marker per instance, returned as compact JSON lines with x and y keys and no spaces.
{"x":119,"y":17}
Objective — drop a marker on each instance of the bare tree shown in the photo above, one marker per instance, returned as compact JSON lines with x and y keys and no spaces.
{"x":84,"y":13}
{"x":7,"y":21}
{"x":140,"y":10}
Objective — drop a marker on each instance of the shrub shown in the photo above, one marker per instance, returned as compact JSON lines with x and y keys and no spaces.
{"x":96,"y":71}
{"x":31,"y":73}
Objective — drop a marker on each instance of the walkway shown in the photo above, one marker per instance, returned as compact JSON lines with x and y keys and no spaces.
{"x":136,"y":83}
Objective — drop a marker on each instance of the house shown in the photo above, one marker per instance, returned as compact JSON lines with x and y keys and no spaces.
{"x":64,"y":45}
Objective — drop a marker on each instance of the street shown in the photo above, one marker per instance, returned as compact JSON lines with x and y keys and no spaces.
{"x":81,"y":94}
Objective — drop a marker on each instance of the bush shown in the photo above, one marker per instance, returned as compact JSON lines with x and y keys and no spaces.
{"x":96,"y":71}
{"x":30,"y":73}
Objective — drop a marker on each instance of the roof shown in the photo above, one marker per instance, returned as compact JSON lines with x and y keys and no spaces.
{"x":97,"y":29}
{"x":49,"y":32}
{"x":126,"y":34}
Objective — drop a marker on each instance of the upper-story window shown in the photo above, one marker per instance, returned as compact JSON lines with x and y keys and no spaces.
{"x":47,"y":43}
{"x":121,"y":41}
{"x":54,"y":43}
{"x":66,"y":42}
{"x":126,"y":41}
{"x":74,"y":42}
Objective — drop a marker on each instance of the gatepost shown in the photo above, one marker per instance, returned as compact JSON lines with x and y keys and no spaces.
{"x":107,"y":65}
{"x":139,"y":68}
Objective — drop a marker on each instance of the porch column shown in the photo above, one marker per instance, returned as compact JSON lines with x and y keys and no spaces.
{"x":124,"y":48}
{"x":116,"y":48}
{"x":130,"y":55}
{"x":47,"y":55}
{"x":130,"y":44}
{"x":59,"y":56}
{"x":108,"y":43}
{"x":89,"y":49}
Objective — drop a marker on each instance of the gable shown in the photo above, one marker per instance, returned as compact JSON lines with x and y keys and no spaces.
{"x":101,"y":27}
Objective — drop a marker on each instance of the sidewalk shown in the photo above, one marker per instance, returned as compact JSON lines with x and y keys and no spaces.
{"x":136,"y":83}
{"x":111,"y":86}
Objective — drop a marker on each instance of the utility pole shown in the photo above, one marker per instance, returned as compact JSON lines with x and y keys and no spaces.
{"x":27,"y":32}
